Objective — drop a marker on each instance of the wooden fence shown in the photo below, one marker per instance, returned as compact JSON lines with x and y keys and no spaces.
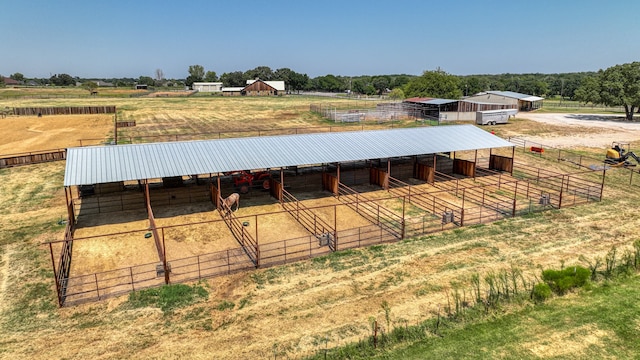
{"x":29,"y":158}
{"x":64,"y":110}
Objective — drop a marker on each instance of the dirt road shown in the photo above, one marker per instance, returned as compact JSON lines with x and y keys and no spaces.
{"x":613,"y":128}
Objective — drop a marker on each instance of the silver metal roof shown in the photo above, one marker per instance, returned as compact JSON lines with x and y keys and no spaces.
{"x":103,"y":164}
{"x":438,"y":101}
{"x":515,"y":95}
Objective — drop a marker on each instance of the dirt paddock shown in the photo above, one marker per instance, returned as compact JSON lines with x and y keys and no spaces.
{"x":32,"y":133}
{"x":194,"y":229}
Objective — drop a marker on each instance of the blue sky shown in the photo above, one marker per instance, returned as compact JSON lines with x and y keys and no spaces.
{"x":130,"y":38}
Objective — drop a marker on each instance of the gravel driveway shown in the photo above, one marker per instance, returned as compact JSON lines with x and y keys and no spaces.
{"x":614,"y":128}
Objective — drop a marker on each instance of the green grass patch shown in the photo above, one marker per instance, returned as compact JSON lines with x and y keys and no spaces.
{"x":167,"y":297}
{"x":596,"y":323}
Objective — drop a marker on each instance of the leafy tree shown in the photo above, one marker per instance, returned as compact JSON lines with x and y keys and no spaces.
{"x":330,"y":83}
{"x":369,"y":90}
{"x":470,"y":85}
{"x":146,"y":80}
{"x":618,"y":85}
{"x":62,"y":80}
{"x":396,"y":94}
{"x":17,"y":77}
{"x":357,"y":86}
{"x":298,"y":81}
{"x":2,"y":84}
{"x":381,"y":83}
{"x":437,"y":84}
{"x":263,"y":73}
{"x":235,"y":78}
{"x":196,"y":72}
{"x":90,"y":86}
{"x":399,"y":81}
{"x":211,"y":76}
{"x":589,"y":91}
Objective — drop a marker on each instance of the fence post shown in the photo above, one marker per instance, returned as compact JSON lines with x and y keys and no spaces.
{"x":561,"y":191}
{"x":95,"y":276}
{"x":164,"y":260}
{"x":133,"y":288}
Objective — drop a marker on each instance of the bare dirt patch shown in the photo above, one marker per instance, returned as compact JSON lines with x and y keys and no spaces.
{"x":580,"y":130}
{"x":32,"y":133}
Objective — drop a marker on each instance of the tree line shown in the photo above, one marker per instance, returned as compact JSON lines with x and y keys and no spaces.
{"x":618,"y":85}
{"x":563,"y":85}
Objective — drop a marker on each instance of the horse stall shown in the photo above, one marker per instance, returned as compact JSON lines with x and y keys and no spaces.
{"x":105,"y":265}
{"x":169,"y":228}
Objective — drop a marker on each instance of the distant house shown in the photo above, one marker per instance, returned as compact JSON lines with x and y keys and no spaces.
{"x":279,"y":86}
{"x":263,"y":88}
{"x":523,"y":102}
{"x":10,"y":81}
{"x":207,"y":86}
{"x":141,"y":87}
{"x":104,"y":83}
{"x":256,"y":88}
{"x":232,"y":91}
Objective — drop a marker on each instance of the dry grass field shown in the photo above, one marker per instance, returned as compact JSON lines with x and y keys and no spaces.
{"x":286,"y":311}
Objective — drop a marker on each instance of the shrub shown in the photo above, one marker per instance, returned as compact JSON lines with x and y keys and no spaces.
{"x":541,"y":292}
{"x":561,"y":281}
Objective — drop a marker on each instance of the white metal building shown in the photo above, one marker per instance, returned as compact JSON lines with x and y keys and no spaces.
{"x":523,"y":101}
{"x":207,"y":86}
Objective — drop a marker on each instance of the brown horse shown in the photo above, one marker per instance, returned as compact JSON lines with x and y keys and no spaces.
{"x":228,"y":202}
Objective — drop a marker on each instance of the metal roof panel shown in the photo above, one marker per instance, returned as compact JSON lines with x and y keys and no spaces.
{"x":101,"y":164}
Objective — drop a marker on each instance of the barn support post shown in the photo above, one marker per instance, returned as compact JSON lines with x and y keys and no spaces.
{"x":386,"y":182}
{"x":434,"y":168}
{"x":338,"y":181}
{"x":414,"y":159}
{"x":475,"y":164}
{"x":281,"y":179}
{"x":219,"y":194}
{"x":70,"y":211}
{"x":513,"y":155}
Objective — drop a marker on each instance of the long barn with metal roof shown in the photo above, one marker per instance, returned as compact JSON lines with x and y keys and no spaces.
{"x":105,"y":164}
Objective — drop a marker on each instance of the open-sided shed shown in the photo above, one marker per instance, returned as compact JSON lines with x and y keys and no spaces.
{"x":105,"y":169}
{"x":449,"y":176}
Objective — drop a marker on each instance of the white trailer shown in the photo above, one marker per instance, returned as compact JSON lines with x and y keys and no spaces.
{"x":492,"y":117}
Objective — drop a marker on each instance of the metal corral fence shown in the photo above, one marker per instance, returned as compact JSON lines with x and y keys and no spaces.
{"x":383,"y":112}
{"x":578,"y":105}
{"x":64,"y":110}
{"x":459,"y":202}
{"x":580,"y":160}
{"x":97,"y":286}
